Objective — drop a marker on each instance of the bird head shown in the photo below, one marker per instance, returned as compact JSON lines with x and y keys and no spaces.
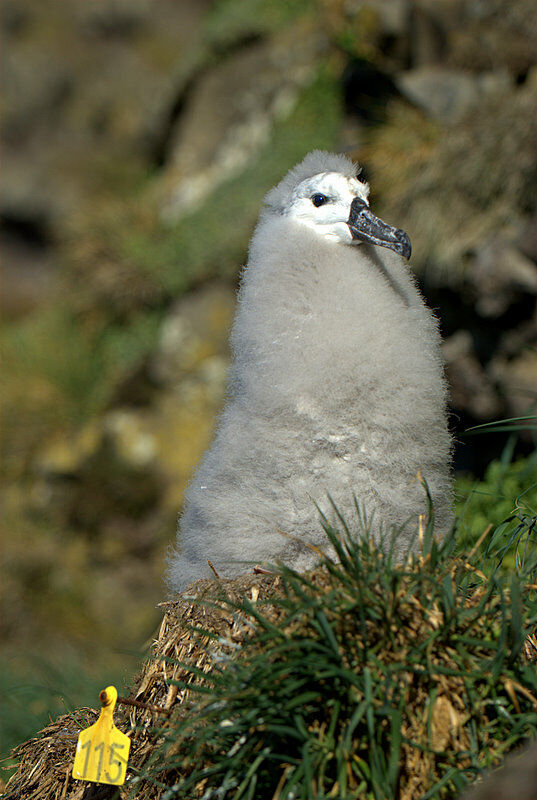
{"x":334,"y":204}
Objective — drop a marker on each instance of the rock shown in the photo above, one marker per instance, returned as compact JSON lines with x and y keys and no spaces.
{"x":133,"y":442}
{"x":112,"y":478}
{"x":431,"y":23}
{"x":231,"y":113}
{"x":87,"y":87}
{"x":392,"y":16}
{"x":500,"y":273}
{"x":457,"y":188}
{"x":446,"y":95}
{"x":65,"y":456}
{"x":520,"y":338}
{"x":115,"y":108}
{"x":28,"y":274}
{"x":131,"y":459}
{"x":121,"y":18}
{"x":471,"y":389}
{"x":193,"y":337}
{"x":517,"y":380}
{"x":494,"y":31}
{"x":106,"y":467}
{"x":35,"y":88}
{"x":527,"y":241}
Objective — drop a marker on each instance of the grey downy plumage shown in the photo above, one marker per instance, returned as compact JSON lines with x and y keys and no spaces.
{"x":336,"y":389}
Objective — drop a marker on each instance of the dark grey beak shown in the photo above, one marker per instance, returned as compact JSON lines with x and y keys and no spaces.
{"x":364,"y":225}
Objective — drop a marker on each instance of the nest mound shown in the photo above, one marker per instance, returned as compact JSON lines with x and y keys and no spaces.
{"x":269,"y":627}
{"x":46,"y":761}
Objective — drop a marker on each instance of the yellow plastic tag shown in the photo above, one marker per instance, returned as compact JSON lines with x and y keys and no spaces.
{"x":102,"y":751}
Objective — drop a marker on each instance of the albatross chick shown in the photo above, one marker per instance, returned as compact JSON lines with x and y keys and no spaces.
{"x":336,"y":388}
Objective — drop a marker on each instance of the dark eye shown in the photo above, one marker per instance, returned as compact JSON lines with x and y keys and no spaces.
{"x":319,"y":200}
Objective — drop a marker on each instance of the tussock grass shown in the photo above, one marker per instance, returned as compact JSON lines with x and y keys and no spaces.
{"x":364,"y":679}
{"x":361,"y":679}
{"x":504,"y":503}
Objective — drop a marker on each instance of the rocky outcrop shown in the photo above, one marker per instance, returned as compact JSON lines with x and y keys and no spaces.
{"x":231,"y":115}
{"x":138,"y":141}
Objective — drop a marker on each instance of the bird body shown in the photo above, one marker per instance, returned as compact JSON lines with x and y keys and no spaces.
{"x":336,"y":389}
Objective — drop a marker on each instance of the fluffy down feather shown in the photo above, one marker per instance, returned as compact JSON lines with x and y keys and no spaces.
{"x":336,"y":389}
{"x":314,"y":163}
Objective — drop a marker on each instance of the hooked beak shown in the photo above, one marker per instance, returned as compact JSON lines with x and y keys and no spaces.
{"x":366,"y":227}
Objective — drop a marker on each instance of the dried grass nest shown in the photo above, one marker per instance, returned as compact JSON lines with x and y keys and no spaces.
{"x":45,"y":762}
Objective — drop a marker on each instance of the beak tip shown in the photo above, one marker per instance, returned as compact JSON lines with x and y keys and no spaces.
{"x":366,"y":227}
{"x":405,"y":247}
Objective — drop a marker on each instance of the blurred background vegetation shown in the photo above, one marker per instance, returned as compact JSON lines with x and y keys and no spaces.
{"x":138,"y":141}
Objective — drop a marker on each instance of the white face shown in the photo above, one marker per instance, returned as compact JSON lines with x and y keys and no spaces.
{"x":323,"y":203}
